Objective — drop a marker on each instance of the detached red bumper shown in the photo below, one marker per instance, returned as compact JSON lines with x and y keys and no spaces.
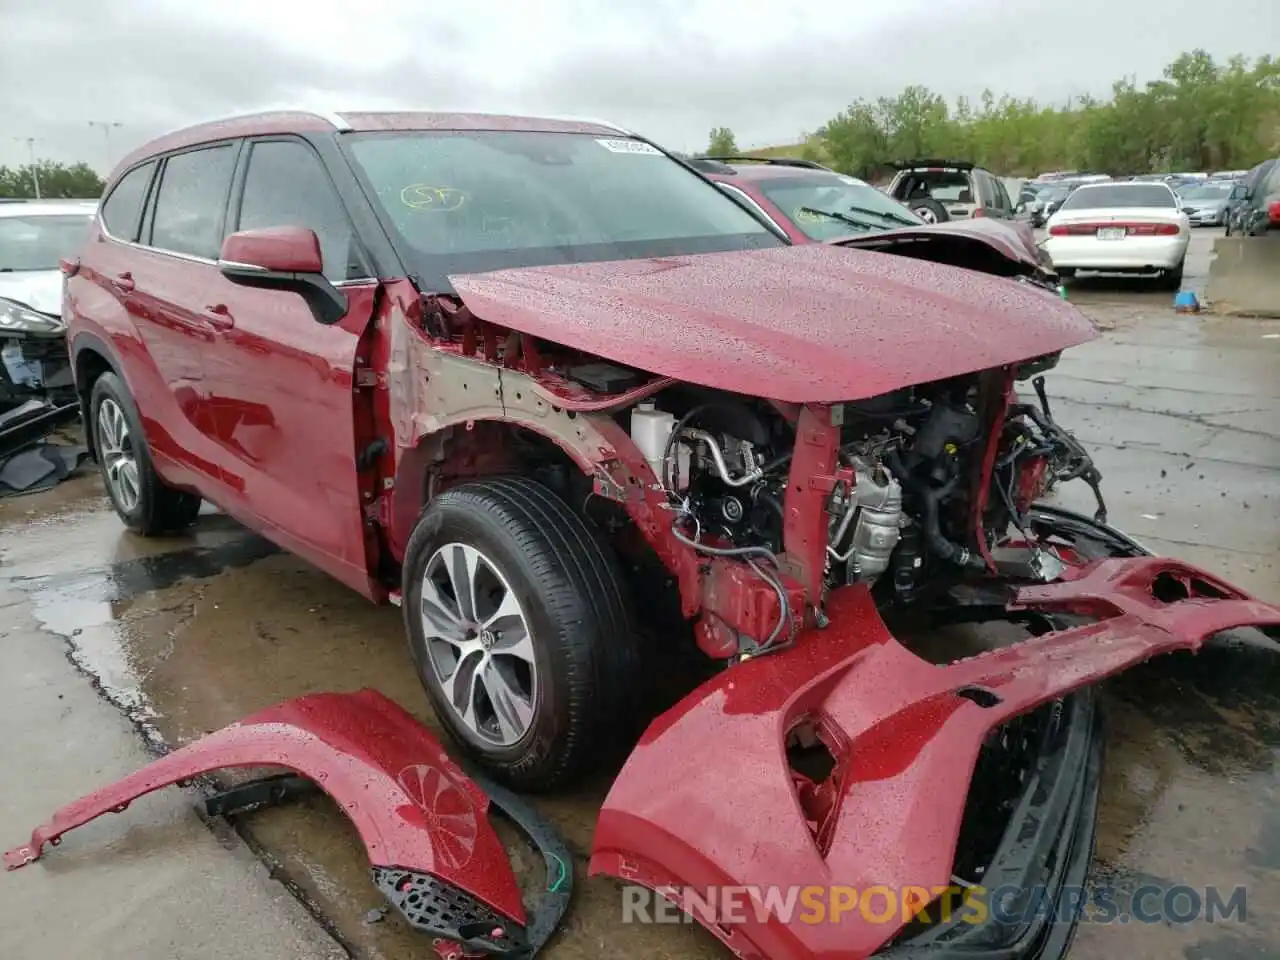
{"x":708,"y":800}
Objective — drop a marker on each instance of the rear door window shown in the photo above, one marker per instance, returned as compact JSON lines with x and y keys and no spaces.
{"x":986,"y":191}
{"x":286,"y":185}
{"x":191,"y":201}
{"x":122,"y":209}
{"x":1002,"y":197}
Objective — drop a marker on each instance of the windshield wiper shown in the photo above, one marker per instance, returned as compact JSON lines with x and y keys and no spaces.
{"x":862,"y":224}
{"x":893,"y":217}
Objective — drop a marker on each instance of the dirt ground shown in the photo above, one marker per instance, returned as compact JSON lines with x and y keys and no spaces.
{"x":185,"y":636}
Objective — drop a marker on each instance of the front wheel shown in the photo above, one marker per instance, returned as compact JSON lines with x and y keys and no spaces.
{"x":520,"y":630}
{"x":144,"y":502}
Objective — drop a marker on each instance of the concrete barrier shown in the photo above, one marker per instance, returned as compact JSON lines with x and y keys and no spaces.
{"x":1244,"y":276}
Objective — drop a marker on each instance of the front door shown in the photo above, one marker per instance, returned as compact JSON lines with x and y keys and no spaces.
{"x":280,"y":385}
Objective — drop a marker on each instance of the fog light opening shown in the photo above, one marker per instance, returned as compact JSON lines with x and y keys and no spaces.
{"x":815,"y":777}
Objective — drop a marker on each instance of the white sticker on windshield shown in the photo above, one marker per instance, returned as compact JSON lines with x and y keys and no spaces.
{"x":629,"y":146}
{"x":853,"y":181}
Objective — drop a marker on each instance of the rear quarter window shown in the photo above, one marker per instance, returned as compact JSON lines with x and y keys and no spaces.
{"x":122,"y":209}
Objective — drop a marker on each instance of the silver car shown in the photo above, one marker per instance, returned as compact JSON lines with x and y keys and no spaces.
{"x":1206,"y":204}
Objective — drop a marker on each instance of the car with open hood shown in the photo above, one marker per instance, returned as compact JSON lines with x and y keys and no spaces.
{"x":811,"y":203}
{"x":582,"y":413}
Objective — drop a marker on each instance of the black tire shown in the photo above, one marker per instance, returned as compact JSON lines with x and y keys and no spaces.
{"x":585,"y":648}
{"x":928,"y":207}
{"x":1172,"y":279}
{"x":160,"y":509}
{"x":1067,"y":273}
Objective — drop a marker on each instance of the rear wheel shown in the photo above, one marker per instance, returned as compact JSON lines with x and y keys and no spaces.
{"x":929,"y":210}
{"x":145,"y":503}
{"x":1172,"y":279}
{"x":520,"y":630}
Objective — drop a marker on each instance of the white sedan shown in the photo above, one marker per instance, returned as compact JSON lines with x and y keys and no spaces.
{"x":1120,"y":228}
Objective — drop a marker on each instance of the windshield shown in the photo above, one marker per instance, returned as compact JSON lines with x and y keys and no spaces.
{"x":469,"y":202}
{"x":829,"y":206}
{"x":1217,"y":191}
{"x":38,"y":242}
{"x":1120,"y":195}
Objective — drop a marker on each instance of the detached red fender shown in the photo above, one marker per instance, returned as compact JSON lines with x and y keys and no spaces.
{"x":707,"y":798}
{"x":414,"y":809}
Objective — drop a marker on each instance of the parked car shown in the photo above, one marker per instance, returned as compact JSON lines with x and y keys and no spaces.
{"x":813,"y":204}
{"x":941,"y":190}
{"x":1120,"y":228}
{"x":34,"y":236}
{"x":1048,"y":199}
{"x":807,"y":201}
{"x":1205,"y":204}
{"x":1237,"y":200}
{"x":1259,"y":209}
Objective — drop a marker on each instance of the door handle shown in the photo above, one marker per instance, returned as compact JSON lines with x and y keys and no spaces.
{"x":123,"y":282}
{"x":219,"y":317}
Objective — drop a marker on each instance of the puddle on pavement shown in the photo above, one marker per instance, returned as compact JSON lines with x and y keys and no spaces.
{"x":196,"y":638}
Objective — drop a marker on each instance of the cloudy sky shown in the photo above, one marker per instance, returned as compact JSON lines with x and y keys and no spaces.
{"x":668,"y":68}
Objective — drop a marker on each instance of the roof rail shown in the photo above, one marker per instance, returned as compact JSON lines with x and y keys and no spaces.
{"x":778,"y":161}
{"x":708,"y":165}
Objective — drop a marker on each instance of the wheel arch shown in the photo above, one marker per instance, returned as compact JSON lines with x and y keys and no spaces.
{"x":467,"y":447}
{"x":91,"y":357}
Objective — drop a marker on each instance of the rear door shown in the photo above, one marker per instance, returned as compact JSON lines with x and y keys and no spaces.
{"x":280,"y":384}
{"x":1003,"y":207}
{"x":156,"y":263}
{"x":173,"y":269}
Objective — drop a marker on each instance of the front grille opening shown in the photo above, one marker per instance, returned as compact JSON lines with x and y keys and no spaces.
{"x":811,"y":760}
{"x":1172,"y":588}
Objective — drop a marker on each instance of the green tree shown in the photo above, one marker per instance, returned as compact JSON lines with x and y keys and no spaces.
{"x":722,"y":143}
{"x":1200,"y":115}
{"x":58,"y":181}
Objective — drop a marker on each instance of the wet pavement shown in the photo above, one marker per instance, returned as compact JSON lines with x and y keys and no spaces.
{"x":167,"y":640}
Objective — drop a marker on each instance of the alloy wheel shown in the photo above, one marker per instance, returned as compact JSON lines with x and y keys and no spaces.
{"x":115,"y":449}
{"x":477,"y":640}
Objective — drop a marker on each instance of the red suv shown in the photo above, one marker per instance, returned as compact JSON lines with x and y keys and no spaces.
{"x":577,"y":409}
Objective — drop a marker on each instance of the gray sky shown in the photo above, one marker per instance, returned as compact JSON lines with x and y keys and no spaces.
{"x":670,"y":69}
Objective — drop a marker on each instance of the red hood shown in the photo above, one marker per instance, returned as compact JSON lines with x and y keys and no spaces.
{"x":1016,"y":241}
{"x":804,"y":324}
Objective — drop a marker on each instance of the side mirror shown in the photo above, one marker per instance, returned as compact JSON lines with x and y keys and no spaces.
{"x":283,"y":258}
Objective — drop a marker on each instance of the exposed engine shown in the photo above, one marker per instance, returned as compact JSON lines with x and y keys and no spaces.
{"x":725,"y":464}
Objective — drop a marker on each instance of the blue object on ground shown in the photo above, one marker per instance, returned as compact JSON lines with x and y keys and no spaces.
{"x":1186,"y":302}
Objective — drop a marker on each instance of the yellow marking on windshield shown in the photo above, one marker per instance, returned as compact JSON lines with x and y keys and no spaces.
{"x":422,"y":196}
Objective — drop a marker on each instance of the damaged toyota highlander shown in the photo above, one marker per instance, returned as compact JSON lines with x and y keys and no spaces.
{"x":581,"y":412}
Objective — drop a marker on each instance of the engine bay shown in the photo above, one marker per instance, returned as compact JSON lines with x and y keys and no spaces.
{"x":929,"y":480}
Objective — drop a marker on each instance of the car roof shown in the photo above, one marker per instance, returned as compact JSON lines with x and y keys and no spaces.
{"x":768,"y":171}
{"x":47,"y":208}
{"x":305,"y":121}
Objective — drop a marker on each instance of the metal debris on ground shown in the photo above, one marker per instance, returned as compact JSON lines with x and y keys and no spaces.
{"x":29,"y":459}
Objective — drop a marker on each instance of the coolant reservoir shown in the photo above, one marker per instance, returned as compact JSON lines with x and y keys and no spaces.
{"x":650,"y":430}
